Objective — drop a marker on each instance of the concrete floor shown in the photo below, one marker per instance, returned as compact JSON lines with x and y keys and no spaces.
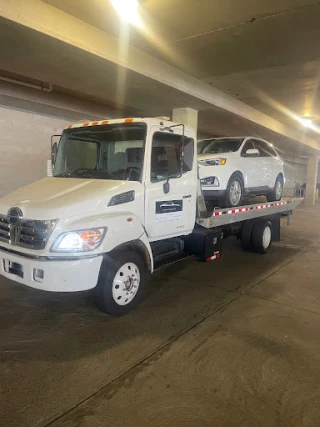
{"x":231,"y":343}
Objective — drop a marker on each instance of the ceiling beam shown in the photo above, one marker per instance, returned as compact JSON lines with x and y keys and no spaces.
{"x":46,"y":19}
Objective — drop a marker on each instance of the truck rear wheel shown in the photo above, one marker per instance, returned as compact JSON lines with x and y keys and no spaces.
{"x":121,"y":283}
{"x":262,"y":237}
{"x":246,"y":235}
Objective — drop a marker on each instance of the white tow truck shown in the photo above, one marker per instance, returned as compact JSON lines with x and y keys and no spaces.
{"x":124,"y":199}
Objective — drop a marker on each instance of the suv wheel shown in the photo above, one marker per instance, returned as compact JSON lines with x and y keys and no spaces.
{"x":277,"y":191}
{"x":234,"y":192}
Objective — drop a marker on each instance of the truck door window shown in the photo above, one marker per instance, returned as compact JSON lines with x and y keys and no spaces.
{"x":165,"y":155}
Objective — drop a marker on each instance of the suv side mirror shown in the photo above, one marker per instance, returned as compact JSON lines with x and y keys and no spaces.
{"x":252,"y":152}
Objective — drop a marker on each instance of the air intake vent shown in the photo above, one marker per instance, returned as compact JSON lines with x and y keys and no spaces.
{"x":122,"y":198}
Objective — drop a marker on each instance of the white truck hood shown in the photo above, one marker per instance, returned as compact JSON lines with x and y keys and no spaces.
{"x":54,"y":198}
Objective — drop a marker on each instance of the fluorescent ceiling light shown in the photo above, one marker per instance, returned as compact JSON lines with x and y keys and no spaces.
{"x":128,"y":10}
{"x":306,"y":122}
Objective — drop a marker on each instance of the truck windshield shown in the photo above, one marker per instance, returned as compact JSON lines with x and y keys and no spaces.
{"x":112,"y":152}
{"x":220,"y":145}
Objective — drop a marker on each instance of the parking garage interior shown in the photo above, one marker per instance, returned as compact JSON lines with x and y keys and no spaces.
{"x":233,"y":342}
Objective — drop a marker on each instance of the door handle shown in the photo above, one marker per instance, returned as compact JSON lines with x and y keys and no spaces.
{"x":188,"y":196}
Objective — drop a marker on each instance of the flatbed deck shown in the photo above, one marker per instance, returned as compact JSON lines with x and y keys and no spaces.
{"x":220,"y":217}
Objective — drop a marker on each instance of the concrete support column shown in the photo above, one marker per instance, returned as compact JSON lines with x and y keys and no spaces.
{"x":312,"y":174}
{"x":187,"y":116}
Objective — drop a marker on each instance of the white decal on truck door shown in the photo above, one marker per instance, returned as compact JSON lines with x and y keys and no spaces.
{"x":169,"y":210}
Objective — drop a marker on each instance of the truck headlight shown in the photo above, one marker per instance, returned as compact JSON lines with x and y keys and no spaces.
{"x":79,"y":240}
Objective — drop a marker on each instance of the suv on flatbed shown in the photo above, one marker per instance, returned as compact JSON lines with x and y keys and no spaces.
{"x":231,"y":168}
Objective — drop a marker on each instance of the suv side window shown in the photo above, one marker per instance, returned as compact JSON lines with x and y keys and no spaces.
{"x":264,"y":148}
{"x":247,"y":146}
{"x":165,"y":155}
{"x":272,"y":151}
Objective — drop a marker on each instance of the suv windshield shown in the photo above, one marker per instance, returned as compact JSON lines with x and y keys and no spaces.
{"x":108,"y":152}
{"x":203,"y":144}
{"x":220,"y":145}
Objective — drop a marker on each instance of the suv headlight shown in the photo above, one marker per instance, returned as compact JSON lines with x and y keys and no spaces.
{"x":79,"y":240}
{"x":213,"y":162}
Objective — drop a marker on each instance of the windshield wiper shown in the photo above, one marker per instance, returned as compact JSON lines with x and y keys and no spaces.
{"x":86,"y":173}
{"x":64,"y":175}
{"x":76,"y":173}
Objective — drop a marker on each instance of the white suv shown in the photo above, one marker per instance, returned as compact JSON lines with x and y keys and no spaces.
{"x":231,"y":168}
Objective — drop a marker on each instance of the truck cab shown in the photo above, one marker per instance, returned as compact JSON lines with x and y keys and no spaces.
{"x":117,"y":187}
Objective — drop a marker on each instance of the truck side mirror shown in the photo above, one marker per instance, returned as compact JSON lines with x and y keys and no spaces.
{"x":54,"y":148}
{"x":166,"y":187}
{"x":54,"y":151}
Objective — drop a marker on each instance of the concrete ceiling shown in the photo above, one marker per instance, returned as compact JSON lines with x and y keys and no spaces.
{"x":263,"y":53}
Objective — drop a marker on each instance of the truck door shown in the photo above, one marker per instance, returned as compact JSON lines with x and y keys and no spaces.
{"x":170,"y":197}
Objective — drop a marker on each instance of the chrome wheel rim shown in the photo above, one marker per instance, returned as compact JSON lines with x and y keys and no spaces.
{"x":235,"y":193}
{"x":278,"y":189}
{"x":126,"y":283}
{"x":266,"y":237}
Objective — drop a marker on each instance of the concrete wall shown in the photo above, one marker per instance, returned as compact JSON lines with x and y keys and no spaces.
{"x":25,"y":146}
{"x":296,"y":175}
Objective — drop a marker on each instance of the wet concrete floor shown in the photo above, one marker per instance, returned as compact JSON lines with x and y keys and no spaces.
{"x":234,"y":342}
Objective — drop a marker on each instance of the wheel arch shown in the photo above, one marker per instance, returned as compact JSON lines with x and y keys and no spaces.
{"x":138,"y":246}
{"x":237,"y":172}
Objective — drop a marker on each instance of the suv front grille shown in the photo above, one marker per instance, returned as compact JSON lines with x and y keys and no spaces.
{"x":31,"y":234}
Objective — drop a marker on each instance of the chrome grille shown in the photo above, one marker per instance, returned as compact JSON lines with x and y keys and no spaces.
{"x":31,"y":234}
{"x":4,"y":229}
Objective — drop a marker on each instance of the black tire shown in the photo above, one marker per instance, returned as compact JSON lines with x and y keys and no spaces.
{"x":111,"y":265}
{"x":227,"y":202}
{"x":246,"y":236}
{"x":273,"y":196}
{"x":259,"y":243}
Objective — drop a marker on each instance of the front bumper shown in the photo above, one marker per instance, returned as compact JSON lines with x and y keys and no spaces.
{"x":213,"y":193}
{"x":70,"y":275}
{"x":220,"y":173}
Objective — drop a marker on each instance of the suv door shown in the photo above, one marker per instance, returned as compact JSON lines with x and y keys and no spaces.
{"x":173,"y":213}
{"x":269,"y":163}
{"x":251,"y":166}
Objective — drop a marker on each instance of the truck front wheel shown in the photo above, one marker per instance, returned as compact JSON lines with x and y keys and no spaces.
{"x":121,"y":282}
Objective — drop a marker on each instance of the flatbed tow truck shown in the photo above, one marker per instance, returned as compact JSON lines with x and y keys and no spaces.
{"x":124,"y":199}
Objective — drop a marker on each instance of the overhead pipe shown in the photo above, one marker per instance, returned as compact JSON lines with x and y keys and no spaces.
{"x":48,"y":89}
